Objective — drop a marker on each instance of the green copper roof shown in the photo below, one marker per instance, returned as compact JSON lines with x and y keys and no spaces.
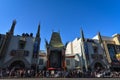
{"x":56,"y":40}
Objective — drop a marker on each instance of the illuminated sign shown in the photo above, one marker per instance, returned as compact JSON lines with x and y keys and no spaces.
{"x":118,"y":56}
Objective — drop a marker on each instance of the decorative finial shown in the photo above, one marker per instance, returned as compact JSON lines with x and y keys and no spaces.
{"x":38,"y":31}
{"x":99,"y":37}
{"x":13,"y":27}
{"x":82,"y":35}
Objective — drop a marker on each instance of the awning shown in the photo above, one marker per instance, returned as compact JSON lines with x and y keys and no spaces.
{"x":51,"y":68}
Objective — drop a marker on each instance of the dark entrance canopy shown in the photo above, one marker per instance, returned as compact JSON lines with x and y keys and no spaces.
{"x":51,"y":68}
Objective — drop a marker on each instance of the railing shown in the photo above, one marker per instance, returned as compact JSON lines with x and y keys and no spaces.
{"x":97,"y":56}
{"x":24,"y":53}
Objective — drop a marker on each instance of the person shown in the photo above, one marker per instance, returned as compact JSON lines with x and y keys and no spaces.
{"x":1,"y":73}
{"x":47,"y":73}
{"x":52,"y":73}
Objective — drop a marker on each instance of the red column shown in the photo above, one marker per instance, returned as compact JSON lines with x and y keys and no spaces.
{"x":63,"y":59}
{"x":48,"y":62}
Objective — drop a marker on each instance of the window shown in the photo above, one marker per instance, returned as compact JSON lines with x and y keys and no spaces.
{"x":26,"y":53}
{"x":118,"y":48}
{"x":40,"y":61}
{"x":22,"y":44}
{"x":67,"y":62}
{"x":95,"y":49}
{"x":13,"y":52}
{"x":112,"y":51}
{"x":76,"y":63}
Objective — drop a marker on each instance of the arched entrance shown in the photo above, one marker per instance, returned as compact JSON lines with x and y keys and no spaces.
{"x":55,"y":59}
{"x":17,"y":65}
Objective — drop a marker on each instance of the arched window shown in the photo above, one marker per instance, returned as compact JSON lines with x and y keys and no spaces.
{"x":95,"y":48}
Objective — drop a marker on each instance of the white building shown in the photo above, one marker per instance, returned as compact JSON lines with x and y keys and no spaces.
{"x":90,"y":53}
{"x":42,"y":60}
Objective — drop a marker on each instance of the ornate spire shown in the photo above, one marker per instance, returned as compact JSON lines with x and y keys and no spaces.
{"x":46,"y":42}
{"x":66,"y":44}
{"x":82,"y":35}
{"x":99,"y":37}
{"x":38,"y":31}
{"x":12,"y":27}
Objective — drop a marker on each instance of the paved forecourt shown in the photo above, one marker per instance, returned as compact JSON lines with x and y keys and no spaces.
{"x":60,"y":79}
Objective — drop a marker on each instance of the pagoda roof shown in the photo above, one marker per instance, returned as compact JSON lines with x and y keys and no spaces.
{"x":56,"y":40}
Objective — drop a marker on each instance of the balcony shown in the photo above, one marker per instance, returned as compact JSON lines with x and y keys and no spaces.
{"x":20,"y":53}
{"x":22,"y":39}
{"x":97,"y":56}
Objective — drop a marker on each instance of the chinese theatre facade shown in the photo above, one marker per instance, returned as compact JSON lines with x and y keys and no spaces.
{"x":55,"y":53}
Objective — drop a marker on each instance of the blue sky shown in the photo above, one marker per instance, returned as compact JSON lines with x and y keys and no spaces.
{"x":66,"y":16}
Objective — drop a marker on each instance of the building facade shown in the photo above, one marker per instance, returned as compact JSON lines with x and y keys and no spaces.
{"x":19,"y":51}
{"x":55,"y":52}
{"x":91,"y":54}
{"x":112,"y":50}
{"x":42,"y":60}
{"x":22,"y":51}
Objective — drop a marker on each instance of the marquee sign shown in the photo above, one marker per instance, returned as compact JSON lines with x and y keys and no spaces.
{"x":118,"y":56}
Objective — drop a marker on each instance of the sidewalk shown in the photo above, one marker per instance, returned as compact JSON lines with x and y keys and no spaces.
{"x":61,"y":79}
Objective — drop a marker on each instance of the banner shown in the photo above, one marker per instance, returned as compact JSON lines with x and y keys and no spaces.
{"x":36,"y":49}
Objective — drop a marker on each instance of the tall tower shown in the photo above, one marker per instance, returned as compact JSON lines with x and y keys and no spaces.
{"x":83,"y":51}
{"x":103,"y":48}
{"x":82,"y":35}
{"x":37,"y":43}
{"x":12,"y":27}
{"x":36,"y":48}
{"x":38,"y":32}
{"x":7,"y":39}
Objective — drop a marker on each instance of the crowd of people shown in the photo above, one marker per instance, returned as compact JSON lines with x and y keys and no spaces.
{"x":31,"y":73}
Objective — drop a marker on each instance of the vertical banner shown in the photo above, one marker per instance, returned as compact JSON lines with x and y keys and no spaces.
{"x":86,"y":51}
{"x":35,"y":50}
{"x":84,"y":60}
